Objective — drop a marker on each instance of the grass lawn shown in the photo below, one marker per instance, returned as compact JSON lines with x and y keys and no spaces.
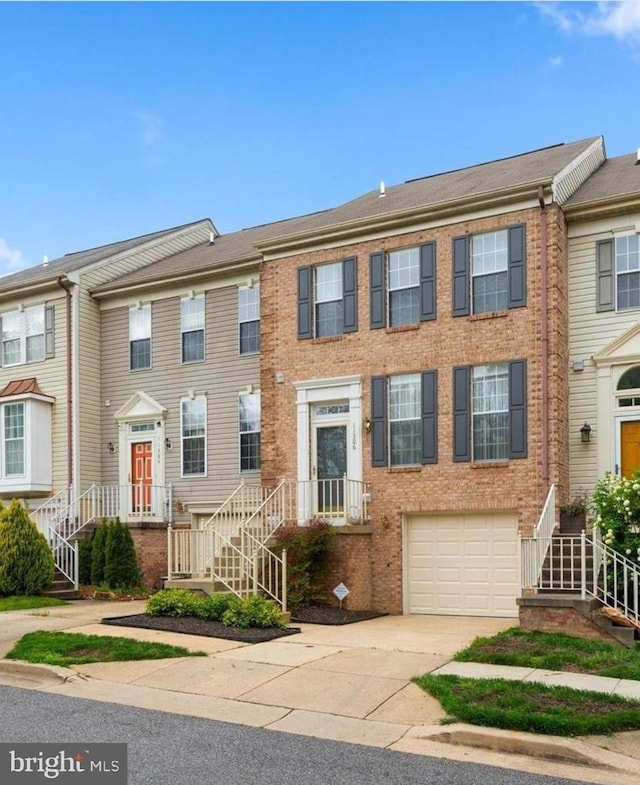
{"x":554,"y":652}
{"x":26,"y":602}
{"x":531,"y":707}
{"x":72,"y":648}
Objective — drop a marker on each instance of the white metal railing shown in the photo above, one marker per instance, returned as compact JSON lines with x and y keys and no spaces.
{"x":242,"y":562}
{"x":244,"y":501}
{"x":583,"y":563}
{"x":534,"y":553}
{"x":340,"y":500}
{"x":62,"y":517}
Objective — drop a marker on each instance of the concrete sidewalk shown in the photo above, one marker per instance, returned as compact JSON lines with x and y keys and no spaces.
{"x":349,"y":683}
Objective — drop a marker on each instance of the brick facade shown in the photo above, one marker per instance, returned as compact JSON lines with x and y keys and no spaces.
{"x":442,"y":344}
{"x":150,"y":542}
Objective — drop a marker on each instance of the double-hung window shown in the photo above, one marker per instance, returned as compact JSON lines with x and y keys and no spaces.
{"x":249,"y":417}
{"x":405,"y":427}
{"x":490,"y":411}
{"x":25,"y":335}
{"x":192,"y":328}
{"x":140,"y":337}
{"x":193,"y":430}
{"x":249,"y":319}
{"x":402,"y":286}
{"x":327,"y":299}
{"x":404,"y":413}
{"x":489,"y":271}
{"x":628,"y":271}
{"x":13,"y":431}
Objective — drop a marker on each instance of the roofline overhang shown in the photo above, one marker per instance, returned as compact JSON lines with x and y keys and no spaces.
{"x":34,"y":288}
{"x":28,"y":396}
{"x":234,"y":266}
{"x":594,"y":209}
{"x":402,"y":218}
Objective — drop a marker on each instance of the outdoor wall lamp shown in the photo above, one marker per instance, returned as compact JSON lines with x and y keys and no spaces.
{"x":367,"y":424}
{"x":167,"y":443}
{"x":111,"y":447}
{"x":585,"y":433}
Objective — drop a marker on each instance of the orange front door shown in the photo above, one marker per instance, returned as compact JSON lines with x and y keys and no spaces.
{"x":629,"y":447}
{"x":141,"y":475}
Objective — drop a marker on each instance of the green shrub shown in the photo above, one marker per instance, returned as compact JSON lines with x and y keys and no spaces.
{"x":173,"y":602}
{"x":120,"y":561}
{"x":254,"y":611}
{"x":307,"y":557}
{"x":98,"y":554}
{"x":213,"y":607}
{"x":26,"y":562}
{"x":85,"y":550}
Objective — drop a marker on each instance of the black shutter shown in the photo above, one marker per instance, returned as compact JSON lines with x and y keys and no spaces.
{"x":461,"y":276}
{"x":517,"y":267}
{"x":518,"y":409}
{"x":304,"y":302}
{"x":427,"y":282}
{"x":430,"y":417}
{"x":461,"y":414}
{"x":605,"y":292}
{"x":49,"y":334}
{"x":378,"y":421}
{"x":350,"y":294}
{"x":376,"y":291}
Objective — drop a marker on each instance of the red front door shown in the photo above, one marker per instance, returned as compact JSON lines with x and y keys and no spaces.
{"x":141,"y":475}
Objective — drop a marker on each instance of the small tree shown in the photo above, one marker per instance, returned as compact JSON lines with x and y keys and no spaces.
{"x":307,"y":557}
{"x":121,"y":564}
{"x":85,"y":551}
{"x":26,"y":562}
{"x":98,"y":554}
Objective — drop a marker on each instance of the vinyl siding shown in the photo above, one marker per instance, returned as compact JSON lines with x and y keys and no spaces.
{"x":51,"y":375}
{"x":589,"y":333}
{"x":222,"y":376}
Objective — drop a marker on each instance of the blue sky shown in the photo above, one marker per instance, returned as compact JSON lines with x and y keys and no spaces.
{"x":118,"y":119}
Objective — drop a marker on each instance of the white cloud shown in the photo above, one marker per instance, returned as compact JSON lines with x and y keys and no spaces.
{"x":11,"y":259}
{"x":620,"y":18}
{"x":556,"y":62}
{"x":149,"y":128}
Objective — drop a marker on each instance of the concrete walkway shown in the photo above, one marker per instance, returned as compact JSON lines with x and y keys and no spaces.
{"x":348,"y":683}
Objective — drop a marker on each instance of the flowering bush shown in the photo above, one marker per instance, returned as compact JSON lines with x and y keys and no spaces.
{"x":616,"y":508}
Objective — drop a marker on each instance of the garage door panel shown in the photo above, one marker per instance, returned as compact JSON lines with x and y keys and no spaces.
{"x":463,"y":565}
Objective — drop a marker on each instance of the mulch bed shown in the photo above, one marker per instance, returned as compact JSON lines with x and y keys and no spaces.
{"x":325,"y":614}
{"x":189,"y":625}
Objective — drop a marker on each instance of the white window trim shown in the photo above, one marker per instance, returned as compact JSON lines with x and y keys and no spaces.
{"x":36,"y":444}
{"x":317,"y":301}
{"x":256,"y":288}
{"x":22,"y":338}
{"x":411,"y":419}
{"x":199,"y":297}
{"x":142,"y":307}
{"x":618,"y":274}
{"x":182,"y":437}
{"x":240,"y":434}
{"x":487,"y":411}
{"x":473,"y":276}
{"x":3,"y":457}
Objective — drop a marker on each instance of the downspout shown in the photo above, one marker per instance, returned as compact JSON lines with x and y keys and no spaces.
{"x":544,"y":359}
{"x":64,"y":284}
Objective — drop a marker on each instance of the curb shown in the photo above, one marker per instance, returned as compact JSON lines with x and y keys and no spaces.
{"x":37,"y":671}
{"x":550,"y":748}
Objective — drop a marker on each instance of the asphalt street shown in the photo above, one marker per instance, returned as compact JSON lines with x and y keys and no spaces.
{"x":170,"y":749}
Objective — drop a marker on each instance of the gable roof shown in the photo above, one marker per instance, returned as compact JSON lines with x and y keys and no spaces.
{"x":450,"y":189}
{"x":42,"y":274}
{"x":617,"y":179}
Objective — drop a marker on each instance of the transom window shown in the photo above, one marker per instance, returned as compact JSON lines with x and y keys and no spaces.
{"x":193,"y":430}
{"x":142,"y":427}
{"x":489,"y":271}
{"x":328,"y":299}
{"x":404,"y":287}
{"x":249,"y":417}
{"x":249,"y":319}
{"x":405,"y":428}
{"x":23,"y":336}
{"x":628,"y":271}
{"x":490,"y":402}
{"x":630,"y":380}
{"x":192,"y":328}
{"x":140,"y":337}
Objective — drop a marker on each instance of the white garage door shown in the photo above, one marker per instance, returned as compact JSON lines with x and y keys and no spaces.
{"x":465,"y":565}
